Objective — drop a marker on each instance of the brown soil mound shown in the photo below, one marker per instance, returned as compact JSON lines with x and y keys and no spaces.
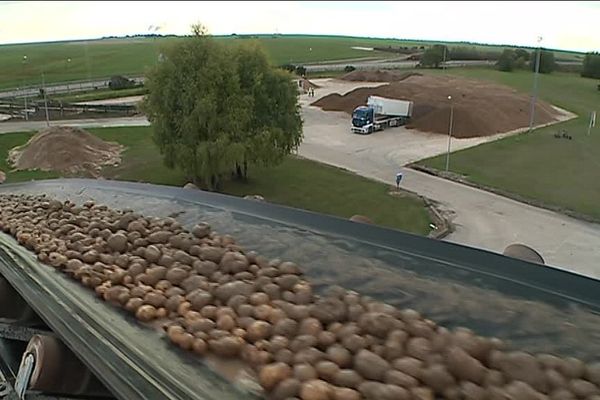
{"x":378,"y":76}
{"x":65,"y":149}
{"x":480,"y":108}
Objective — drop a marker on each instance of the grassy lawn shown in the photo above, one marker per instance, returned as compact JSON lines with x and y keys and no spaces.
{"x":103,"y":94}
{"x":296,"y":182}
{"x":131,"y":56}
{"x":556,"y":172}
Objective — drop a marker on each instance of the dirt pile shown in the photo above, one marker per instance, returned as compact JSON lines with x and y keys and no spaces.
{"x":480,"y":108}
{"x":378,"y":76}
{"x":65,"y":149}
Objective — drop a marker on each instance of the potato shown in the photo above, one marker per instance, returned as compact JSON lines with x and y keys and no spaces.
{"x":465,"y":367}
{"x":555,"y":379}
{"x":316,"y":390}
{"x":471,"y":391}
{"x":521,"y":366}
{"x":226,"y":346}
{"x":493,"y":378}
{"x":133,"y":304}
{"x":285,"y":356}
{"x":258,"y":330}
{"x":310,"y":356}
{"x":582,"y":388}
{"x":422,"y":393}
{"x":155,"y":299}
{"x":339,"y":355}
{"x":342,"y":393}
{"x":327,"y":370}
{"x":176,"y":275}
{"x":226,"y":323}
{"x":185,"y":341}
{"x":549,"y":361}
{"x":418,"y":347}
{"x":399,"y":378}
{"x":286,"y":389}
{"x":521,"y":391}
{"x":438,"y":378}
{"x":370,"y":365}
{"x":592,"y":373}
{"x":302,"y":342}
{"x":276,"y":315}
{"x":259,"y":298}
{"x":163,"y":285}
{"x":272,"y":290}
{"x":381,"y":391}
{"x":271,"y":375}
{"x":562,"y":394}
{"x":572,"y":368}
{"x":286,"y":327}
{"x":347,"y":378}
{"x":304,"y":372}
{"x":146,"y":313}
{"x":310,"y":326}
{"x":325,"y":339}
{"x":263,"y":312}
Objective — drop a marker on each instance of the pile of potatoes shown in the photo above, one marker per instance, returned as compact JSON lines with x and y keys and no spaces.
{"x":212,"y":295}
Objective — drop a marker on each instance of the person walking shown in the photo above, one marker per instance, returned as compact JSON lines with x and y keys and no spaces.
{"x":398,"y":179}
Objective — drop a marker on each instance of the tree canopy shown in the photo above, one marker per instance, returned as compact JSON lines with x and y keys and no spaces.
{"x":434,"y":56}
{"x":547,"y":62}
{"x":217,"y":110}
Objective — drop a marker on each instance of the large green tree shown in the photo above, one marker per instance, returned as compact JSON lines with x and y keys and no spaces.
{"x":217,"y":109}
{"x":546,"y":59}
{"x":435,"y":55}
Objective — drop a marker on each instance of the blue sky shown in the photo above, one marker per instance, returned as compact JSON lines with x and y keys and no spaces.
{"x":563,"y":25}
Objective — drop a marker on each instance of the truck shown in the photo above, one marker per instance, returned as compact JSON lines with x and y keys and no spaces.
{"x":380,"y":113}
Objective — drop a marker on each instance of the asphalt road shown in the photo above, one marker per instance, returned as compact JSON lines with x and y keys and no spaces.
{"x":481,"y":219}
{"x":66,"y":87}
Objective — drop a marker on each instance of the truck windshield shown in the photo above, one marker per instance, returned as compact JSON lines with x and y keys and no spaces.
{"x":360,"y":114}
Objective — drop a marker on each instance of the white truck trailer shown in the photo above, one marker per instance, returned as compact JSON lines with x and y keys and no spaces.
{"x":380,"y":113}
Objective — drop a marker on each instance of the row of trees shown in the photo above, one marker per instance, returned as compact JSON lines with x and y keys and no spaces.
{"x":521,"y":59}
{"x":218,"y":110}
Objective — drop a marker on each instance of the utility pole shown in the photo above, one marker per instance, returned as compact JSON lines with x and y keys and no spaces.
{"x":449,"y":132}
{"x":535,"y":86}
{"x":45,"y":99}
{"x":24,"y":89}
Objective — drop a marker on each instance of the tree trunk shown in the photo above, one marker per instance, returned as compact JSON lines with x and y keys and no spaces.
{"x":245,"y":170}
{"x":238,"y":171}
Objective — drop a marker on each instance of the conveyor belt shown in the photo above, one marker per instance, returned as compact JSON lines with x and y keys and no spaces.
{"x":453,"y":284}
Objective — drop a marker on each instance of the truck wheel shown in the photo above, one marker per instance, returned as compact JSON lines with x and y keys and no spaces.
{"x":370,"y":130}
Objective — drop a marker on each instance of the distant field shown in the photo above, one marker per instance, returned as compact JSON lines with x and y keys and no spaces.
{"x":557,"y":172}
{"x":102,"y":58}
{"x":296,"y":182}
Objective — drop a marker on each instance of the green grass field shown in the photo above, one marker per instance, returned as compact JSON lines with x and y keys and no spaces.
{"x":131,"y":56}
{"x":555,"y":172}
{"x":296,"y":182}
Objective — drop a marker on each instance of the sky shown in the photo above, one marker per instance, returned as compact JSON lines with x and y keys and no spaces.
{"x":567,"y":25}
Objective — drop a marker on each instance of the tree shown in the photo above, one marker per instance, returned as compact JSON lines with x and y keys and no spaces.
{"x":506,"y":61}
{"x":547,"y":63}
{"x":215,"y":110}
{"x":591,"y":66}
{"x":349,"y":68}
{"x":434,"y":56}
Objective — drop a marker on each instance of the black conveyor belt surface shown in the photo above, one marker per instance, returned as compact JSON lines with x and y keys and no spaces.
{"x":533,"y":307}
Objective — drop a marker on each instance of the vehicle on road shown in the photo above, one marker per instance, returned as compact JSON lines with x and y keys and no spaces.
{"x":380,"y":113}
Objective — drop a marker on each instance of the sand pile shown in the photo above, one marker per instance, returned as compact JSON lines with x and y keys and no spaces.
{"x":65,"y":149}
{"x":480,"y":108}
{"x":378,"y":76}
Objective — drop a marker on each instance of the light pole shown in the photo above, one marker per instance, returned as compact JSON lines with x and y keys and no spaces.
{"x":45,"y":99}
{"x":535,"y":85}
{"x":25,"y":90}
{"x":449,"y":132}
{"x":68,"y":63}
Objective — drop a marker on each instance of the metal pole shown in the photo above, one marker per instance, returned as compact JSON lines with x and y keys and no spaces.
{"x":535,"y":88}
{"x":45,"y":100}
{"x":449,"y":133}
{"x":444,"y":62}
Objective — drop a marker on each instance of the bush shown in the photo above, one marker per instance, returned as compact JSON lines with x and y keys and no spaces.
{"x":591,"y":66}
{"x":349,"y":68}
{"x":472,"y":53}
{"x":434,"y":56}
{"x":118,"y":82}
{"x":547,"y":63}
{"x":288,"y":67}
{"x":506,"y":62}
{"x":301,"y":70}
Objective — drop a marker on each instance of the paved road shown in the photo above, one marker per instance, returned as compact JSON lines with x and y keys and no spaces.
{"x":21,"y":126}
{"x":65,"y":87}
{"x":482,"y":219}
